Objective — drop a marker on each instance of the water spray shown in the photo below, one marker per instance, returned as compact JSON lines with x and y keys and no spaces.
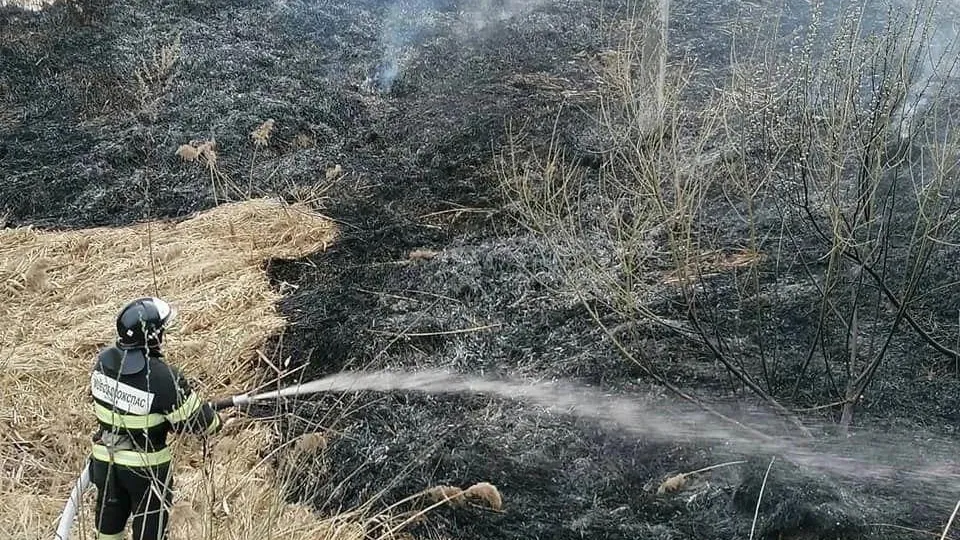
{"x":652,"y":421}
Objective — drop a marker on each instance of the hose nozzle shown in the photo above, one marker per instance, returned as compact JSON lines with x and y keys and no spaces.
{"x":226,"y":403}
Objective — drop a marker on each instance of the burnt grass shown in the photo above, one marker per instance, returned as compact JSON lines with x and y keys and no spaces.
{"x":83,"y":144}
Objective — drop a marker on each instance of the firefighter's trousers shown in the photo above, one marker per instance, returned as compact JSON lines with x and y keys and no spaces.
{"x":142,"y":493}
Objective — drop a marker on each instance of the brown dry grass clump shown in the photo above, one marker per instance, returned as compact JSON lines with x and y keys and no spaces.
{"x":484,"y":494}
{"x":713,"y":263}
{"x":197,"y":149}
{"x":261,"y":135}
{"x":679,"y":481}
{"x":59,"y":293}
{"x":450,"y":494}
{"x":673,"y":483}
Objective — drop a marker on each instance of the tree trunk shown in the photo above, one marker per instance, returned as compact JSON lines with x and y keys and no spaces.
{"x":654,"y":58}
{"x":850,"y":396}
{"x":846,"y":415}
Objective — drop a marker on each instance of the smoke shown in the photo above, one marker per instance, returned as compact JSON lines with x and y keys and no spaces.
{"x":938,"y":48}
{"x":480,"y":14}
{"x":407,"y":22}
{"x":403,"y":26}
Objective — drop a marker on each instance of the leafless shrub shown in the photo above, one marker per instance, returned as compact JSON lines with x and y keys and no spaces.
{"x":836,"y":135}
{"x":814,"y":134}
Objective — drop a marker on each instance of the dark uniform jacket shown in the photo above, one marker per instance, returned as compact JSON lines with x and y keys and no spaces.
{"x":136,"y":408}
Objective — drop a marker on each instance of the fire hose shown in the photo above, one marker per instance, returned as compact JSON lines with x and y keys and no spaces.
{"x":82,"y":484}
{"x":383,"y":382}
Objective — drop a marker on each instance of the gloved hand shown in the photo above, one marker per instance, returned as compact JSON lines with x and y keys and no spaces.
{"x":222,"y":404}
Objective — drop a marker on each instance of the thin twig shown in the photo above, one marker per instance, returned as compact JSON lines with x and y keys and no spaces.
{"x":763,"y":486}
{"x":385,"y":294}
{"x":950,"y":522}
{"x":266,"y":360}
{"x":906,"y":314}
{"x":434,"y":295}
{"x":457,"y":210}
{"x":717,"y":466}
{"x":275,"y":380}
{"x":821,"y":407}
{"x":662,"y":380}
{"x":443,"y":333}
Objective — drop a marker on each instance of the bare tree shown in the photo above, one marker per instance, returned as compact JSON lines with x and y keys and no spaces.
{"x":816,"y":133}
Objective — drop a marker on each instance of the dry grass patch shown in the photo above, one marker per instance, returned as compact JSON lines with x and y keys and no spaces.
{"x":711,"y":264}
{"x":59,"y":294}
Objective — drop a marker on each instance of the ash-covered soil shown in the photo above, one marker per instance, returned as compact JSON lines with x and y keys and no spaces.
{"x":84,"y":141}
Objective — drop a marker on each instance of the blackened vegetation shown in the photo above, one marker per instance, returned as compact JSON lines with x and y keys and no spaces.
{"x":83,"y":143}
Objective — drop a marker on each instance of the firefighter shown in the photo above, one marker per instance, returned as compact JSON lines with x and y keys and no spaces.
{"x":138,"y":399}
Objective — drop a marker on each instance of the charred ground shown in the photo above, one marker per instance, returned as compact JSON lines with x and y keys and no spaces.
{"x":83,"y":143}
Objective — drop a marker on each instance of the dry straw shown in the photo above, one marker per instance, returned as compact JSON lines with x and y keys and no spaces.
{"x":484,"y":494}
{"x":261,"y":135}
{"x":59,"y":293}
{"x":679,"y":481}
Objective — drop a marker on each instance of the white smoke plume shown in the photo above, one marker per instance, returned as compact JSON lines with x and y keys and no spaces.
{"x":407,"y":21}
{"x":939,"y":51}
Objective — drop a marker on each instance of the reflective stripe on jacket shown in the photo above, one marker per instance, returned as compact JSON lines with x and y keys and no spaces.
{"x":137,"y":411}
